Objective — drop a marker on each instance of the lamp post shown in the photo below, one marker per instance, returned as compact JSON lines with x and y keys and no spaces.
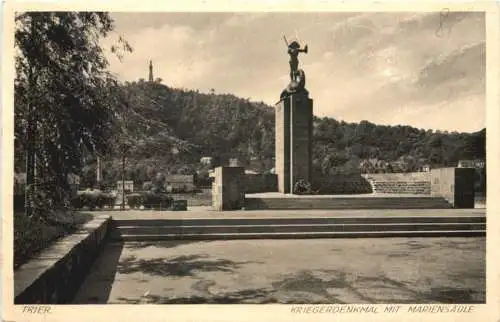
{"x":124,"y":151}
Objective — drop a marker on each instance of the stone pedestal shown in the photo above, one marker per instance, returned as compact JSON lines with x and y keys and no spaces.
{"x":228,"y":190}
{"x":293,"y":145}
{"x":456,"y":185}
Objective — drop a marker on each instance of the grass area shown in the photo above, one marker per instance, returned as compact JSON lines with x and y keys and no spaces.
{"x":32,"y":236}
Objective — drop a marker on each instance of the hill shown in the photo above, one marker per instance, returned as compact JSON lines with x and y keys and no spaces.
{"x":171,"y":129}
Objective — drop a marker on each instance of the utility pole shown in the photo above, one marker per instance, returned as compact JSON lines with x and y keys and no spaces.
{"x":99,"y":171}
{"x":123,"y":180}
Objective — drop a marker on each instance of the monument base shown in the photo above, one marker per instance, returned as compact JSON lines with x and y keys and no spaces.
{"x":294,"y":116}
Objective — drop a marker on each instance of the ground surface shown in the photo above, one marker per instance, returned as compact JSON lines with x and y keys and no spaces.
{"x":381,"y":270}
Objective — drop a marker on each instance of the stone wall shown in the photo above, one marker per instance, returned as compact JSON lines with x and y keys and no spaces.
{"x":54,"y":275}
{"x":341,"y":184}
{"x":228,"y":190}
{"x":403,"y":177}
{"x":256,"y":183}
{"x":456,"y":185}
{"x":400,"y":183}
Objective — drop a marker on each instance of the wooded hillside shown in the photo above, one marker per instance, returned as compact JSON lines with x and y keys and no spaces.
{"x":171,"y":129}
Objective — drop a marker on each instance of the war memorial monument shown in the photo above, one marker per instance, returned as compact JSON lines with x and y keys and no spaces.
{"x":438,"y":189}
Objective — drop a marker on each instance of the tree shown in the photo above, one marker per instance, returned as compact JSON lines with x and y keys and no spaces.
{"x":475,"y":145}
{"x":64,"y":96}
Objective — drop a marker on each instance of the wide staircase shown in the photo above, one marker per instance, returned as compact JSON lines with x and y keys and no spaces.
{"x":360,"y":202}
{"x":416,"y":187}
{"x":303,"y":227}
{"x":417,"y":183}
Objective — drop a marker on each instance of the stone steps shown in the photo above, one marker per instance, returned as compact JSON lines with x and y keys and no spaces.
{"x":248,"y":229}
{"x":269,"y":228}
{"x":347,"y":203}
{"x":304,"y":219}
{"x":301,"y":235}
{"x":398,"y":187}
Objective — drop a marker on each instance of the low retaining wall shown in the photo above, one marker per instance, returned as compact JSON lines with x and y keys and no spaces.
{"x":405,"y":177}
{"x":341,"y":184}
{"x":228,"y":188}
{"x":338,"y":184}
{"x":456,"y":185}
{"x":54,"y":275}
{"x":401,"y":183}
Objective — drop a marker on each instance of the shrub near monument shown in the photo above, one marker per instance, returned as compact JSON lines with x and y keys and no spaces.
{"x":149,"y":200}
{"x":93,"y":199}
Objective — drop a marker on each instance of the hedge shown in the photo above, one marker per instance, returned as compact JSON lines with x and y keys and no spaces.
{"x":156,"y":201}
{"x":93,"y":200}
{"x":135,"y":200}
{"x":149,"y":200}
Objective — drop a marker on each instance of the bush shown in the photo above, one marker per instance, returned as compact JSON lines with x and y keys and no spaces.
{"x":156,"y":201}
{"x":302,"y":187}
{"x":179,"y":205}
{"x":183,"y":189}
{"x":77,"y":201}
{"x":92,"y":200}
{"x":147,"y":186}
{"x":105,"y":200}
{"x":135,"y":200}
{"x":40,"y":202}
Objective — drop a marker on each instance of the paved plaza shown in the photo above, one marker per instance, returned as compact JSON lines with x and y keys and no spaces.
{"x":377,"y":270}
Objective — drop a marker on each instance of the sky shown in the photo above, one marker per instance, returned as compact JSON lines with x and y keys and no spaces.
{"x":426,"y":70}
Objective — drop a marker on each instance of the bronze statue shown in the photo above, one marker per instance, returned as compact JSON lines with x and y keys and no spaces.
{"x":294,"y":50}
{"x":297,"y":76}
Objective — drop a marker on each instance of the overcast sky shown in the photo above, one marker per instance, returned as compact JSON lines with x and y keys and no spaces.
{"x":421,"y":69}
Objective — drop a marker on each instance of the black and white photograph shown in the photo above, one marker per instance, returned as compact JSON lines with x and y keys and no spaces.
{"x":314,"y":160}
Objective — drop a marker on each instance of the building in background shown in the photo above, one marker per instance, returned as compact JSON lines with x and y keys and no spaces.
{"x":206,"y":160}
{"x":478,"y":164}
{"x":180,"y":183}
{"x":74,"y":183}
{"x":129,"y":186}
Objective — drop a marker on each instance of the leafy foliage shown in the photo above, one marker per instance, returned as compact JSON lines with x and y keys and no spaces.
{"x":156,"y":200}
{"x":302,"y":187}
{"x":65,"y":100}
{"x":171,"y":129}
{"x":135,"y":200}
{"x":92,"y":200}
